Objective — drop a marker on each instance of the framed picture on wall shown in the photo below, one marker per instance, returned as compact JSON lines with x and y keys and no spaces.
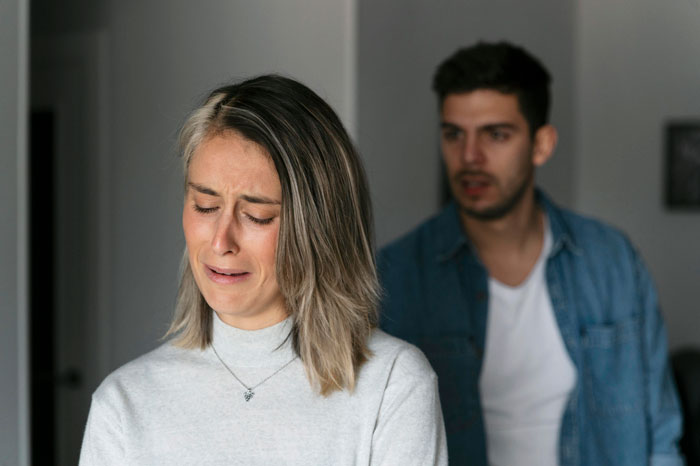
{"x":683,"y":164}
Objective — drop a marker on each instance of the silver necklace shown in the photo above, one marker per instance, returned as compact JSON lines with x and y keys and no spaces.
{"x":248,"y":394}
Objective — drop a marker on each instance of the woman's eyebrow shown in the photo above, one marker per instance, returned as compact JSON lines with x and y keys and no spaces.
{"x":246,"y":197}
{"x":203,"y":189}
{"x":259,"y":199}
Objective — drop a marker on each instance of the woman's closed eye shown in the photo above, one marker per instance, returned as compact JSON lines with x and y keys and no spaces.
{"x":204,"y":210}
{"x":260,"y":221}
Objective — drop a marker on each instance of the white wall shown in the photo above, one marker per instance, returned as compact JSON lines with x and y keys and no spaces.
{"x":400,"y":43}
{"x":638,"y":64}
{"x":165,"y":56}
{"x":13,"y":261}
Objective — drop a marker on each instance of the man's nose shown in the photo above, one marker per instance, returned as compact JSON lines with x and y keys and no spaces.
{"x":471,"y":151}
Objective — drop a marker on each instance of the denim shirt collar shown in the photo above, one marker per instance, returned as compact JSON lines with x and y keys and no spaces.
{"x":451,"y":239}
{"x":563,"y":237}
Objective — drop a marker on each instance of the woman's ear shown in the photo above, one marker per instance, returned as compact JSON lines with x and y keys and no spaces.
{"x":544,"y":144}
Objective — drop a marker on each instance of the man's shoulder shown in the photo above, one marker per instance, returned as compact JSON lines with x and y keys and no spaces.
{"x":418,"y":283}
{"x":592,"y":236}
{"x":426,"y":240}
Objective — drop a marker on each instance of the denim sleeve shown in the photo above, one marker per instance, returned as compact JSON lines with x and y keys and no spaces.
{"x":662,"y":406}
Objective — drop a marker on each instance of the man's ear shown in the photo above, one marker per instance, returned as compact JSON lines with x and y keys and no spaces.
{"x":544,"y":144}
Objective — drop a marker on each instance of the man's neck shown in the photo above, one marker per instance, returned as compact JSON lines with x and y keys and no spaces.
{"x":509,"y":246}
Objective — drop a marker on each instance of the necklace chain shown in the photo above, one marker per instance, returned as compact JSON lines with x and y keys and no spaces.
{"x":249,"y":390}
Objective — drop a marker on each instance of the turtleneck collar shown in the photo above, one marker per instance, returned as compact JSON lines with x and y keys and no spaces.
{"x":268,"y":346}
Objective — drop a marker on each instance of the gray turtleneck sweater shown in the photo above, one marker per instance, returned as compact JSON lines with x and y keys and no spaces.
{"x":174,"y":406}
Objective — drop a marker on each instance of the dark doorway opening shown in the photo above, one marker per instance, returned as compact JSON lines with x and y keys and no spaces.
{"x":41,"y":286}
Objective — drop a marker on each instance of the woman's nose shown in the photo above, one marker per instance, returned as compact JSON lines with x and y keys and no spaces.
{"x":224,"y":240}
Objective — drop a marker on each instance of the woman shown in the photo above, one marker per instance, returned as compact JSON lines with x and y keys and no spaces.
{"x":275,"y":358}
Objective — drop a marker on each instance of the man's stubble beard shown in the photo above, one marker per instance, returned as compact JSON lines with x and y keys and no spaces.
{"x":501,"y":210}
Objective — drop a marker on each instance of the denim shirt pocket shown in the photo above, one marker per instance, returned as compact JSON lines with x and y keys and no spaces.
{"x":455,"y":361}
{"x":613,"y":372}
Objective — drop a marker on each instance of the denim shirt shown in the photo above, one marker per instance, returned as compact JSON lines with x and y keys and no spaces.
{"x":623,"y":410}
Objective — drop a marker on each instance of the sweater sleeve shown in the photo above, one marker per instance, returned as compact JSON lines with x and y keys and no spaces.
{"x":102,"y":442}
{"x":410,"y":429}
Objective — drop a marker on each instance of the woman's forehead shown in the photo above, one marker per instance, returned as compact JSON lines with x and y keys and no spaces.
{"x":228,"y":161}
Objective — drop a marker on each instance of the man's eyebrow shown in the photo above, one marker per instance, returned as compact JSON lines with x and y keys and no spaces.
{"x":487,"y":126}
{"x":502,"y":125}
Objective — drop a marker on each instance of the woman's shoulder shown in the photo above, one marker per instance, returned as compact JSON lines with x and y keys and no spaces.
{"x":148,"y":372}
{"x":405,"y":359}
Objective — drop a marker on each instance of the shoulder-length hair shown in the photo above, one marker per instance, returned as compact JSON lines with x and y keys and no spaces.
{"x":325,"y":263}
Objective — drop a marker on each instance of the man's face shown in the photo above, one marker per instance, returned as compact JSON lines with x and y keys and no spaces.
{"x":488,"y":152}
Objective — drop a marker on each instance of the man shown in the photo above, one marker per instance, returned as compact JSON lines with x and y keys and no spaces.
{"x":543,"y":326}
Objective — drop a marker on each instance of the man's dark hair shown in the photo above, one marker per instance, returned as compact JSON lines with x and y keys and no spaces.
{"x":501,"y":67}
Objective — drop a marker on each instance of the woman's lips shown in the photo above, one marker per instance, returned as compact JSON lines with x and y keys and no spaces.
{"x":225,"y":276}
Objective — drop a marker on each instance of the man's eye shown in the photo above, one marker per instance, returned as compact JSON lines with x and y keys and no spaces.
{"x":498,"y":135}
{"x":450,"y":135}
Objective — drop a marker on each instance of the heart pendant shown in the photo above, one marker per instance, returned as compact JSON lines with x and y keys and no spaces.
{"x":248,"y":394}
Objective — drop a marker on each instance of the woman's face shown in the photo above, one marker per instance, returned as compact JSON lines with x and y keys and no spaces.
{"x":231,"y":220}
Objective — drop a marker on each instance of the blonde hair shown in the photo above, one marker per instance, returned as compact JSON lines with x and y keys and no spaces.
{"x":325,"y":256}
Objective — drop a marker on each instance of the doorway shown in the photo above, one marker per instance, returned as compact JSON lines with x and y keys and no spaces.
{"x":68,"y":314}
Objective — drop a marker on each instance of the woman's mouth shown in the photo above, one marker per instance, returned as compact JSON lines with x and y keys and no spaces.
{"x":225,"y":276}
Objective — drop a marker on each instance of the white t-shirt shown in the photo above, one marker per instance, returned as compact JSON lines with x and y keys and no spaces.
{"x":527,"y":374}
